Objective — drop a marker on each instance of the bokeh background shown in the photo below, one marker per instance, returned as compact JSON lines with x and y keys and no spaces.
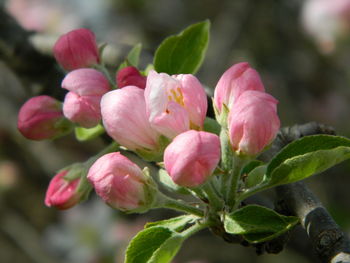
{"x":300,"y":47}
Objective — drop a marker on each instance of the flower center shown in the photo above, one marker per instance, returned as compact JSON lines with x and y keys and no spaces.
{"x":176,"y":96}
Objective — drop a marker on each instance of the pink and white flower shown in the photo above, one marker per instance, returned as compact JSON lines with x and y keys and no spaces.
{"x":175,"y":104}
{"x":125,"y":120}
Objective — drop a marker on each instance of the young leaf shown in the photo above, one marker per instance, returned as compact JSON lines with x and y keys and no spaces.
{"x":175,"y":223}
{"x":166,"y":252}
{"x":305,"y":157}
{"x":258,"y":223}
{"x":255,"y":176}
{"x":169,"y":184}
{"x":211,"y":125}
{"x":154,"y":244}
{"x":85,"y":134}
{"x":183,"y":53}
{"x":132,"y":58}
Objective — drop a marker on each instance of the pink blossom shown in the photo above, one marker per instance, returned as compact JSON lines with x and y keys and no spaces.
{"x":77,"y":49}
{"x":253,"y":122}
{"x":326,"y":21}
{"x":121,"y":183}
{"x":130,"y":76}
{"x":175,"y":103}
{"x":82,"y":104}
{"x":125,"y":120}
{"x":192,"y":157}
{"x":236,"y":80}
{"x":41,"y":118}
{"x":61,"y":192}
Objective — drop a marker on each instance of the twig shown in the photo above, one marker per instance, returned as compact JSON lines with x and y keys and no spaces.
{"x":329,"y":242}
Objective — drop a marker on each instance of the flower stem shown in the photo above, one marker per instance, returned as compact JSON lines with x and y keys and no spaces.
{"x":234,"y":182}
{"x":226,"y":160}
{"x":193,"y":229}
{"x":215,"y":201}
{"x":179,"y":205}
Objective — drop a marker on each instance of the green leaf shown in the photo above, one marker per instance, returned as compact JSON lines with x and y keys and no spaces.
{"x":211,"y":125}
{"x":154,"y":244}
{"x":305,"y":157}
{"x":260,"y":221}
{"x":166,"y":181}
{"x":256,"y":176}
{"x":166,"y":252}
{"x":133,"y":57}
{"x":175,"y":223}
{"x":85,"y":134}
{"x":183,"y":53}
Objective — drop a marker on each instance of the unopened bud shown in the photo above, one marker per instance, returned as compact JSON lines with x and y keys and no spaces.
{"x":122,"y":184}
{"x":42,"y":118}
{"x":192,"y":157}
{"x":130,"y":76}
{"x":77,"y":49}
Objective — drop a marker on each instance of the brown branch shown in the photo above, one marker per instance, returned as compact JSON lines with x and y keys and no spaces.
{"x":329,"y":242}
{"x":30,"y":65}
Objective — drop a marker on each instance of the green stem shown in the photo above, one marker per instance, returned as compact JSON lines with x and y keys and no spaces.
{"x":110,"y":148}
{"x":179,"y":205}
{"x":251,"y":191}
{"x":226,"y":160}
{"x":233,"y":182}
{"x":193,"y":229}
{"x":104,"y":70}
{"x":215,"y":201}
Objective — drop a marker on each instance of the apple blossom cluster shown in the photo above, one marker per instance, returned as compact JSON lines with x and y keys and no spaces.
{"x":159,"y":117}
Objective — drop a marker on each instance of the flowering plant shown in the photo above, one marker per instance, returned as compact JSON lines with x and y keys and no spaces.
{"x":160,"y":115}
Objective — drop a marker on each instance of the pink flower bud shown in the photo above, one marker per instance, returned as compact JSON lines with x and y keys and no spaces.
{"x":192,"y":157}
{"x":253,"y":122}
{"x":236,"y":80}
{"x":76,"y":49}
{"x":175,"y":104}
{"x":41,"y":118}
{"x":122,"y":184}
{"x":86,"y":81}
{"x":61,"y":192}
{"x":130,"y":76}
{"x":82,"y":103}
{"x":84,"y":110}
{"x":124,"y":118}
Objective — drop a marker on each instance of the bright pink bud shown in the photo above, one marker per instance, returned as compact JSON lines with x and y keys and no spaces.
{"x":82,"y":103}
{"x":175,"y":104}
{"x":121,"y":183}
{"x":236,"y":80}
{"x":192,"y":157}
{"x":41,"y":118}
{"x":124,"y":118}
{"x":76,"y":49}
{"x":130,"y":76}
{"x":62,"y":193}
{"x":253,"y":122}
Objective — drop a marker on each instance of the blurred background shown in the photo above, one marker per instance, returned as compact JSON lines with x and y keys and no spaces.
{"x":300,"y":48}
